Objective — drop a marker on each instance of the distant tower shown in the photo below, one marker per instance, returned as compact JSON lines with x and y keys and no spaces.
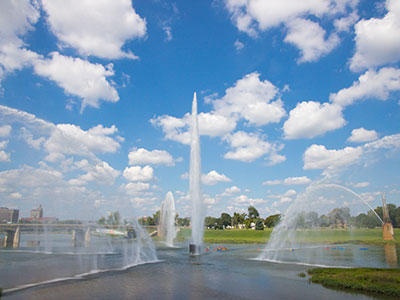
{"x":37,"y":213}
{"x":387,"y":227}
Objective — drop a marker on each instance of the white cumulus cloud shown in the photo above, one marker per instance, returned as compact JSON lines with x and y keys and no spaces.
{"x":16,"y":19}
{"x":311,"y":119}
{"x":230,"y":191}
{"x":318,"y":157}
{"x":5,"y":131}
{"x":289,"y":181}
{"x":4,"y":156}
{"x":248,"y":147}
{"x":100,"y":173}
{"x":377,"y":40}
{"x":309,"y":38}
{"x":137,"y":173}
{"x":371,"y":84}
{"x":213,"y":177}
{"x":360,"y":184}
{"x":238,"y":45}
{"x":174,"y":129}
{"x":142,"y":156}
{"x":387,"y":142}
{"x":79,"y":77}
{"x":70,"y":139}
{"x":296,"y":180}
{"x":251,"y":99}
{"x":62,"y":139}
{"x":362,"y":135}
{"x":134,"y":188}
{"x":98,"y":28}
{"x":213,"y":124}
{"x":253,"y":16}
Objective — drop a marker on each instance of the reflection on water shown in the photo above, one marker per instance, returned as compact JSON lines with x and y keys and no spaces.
{"x":32,"y":244}
{"x":391,"y":256}
{"x":345,"y":256}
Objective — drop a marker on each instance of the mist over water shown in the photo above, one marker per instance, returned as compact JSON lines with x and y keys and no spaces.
{"x":48,"y":256}
{"x":198,"y":207}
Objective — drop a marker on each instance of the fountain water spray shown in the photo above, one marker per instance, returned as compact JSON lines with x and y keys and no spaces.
{"x":198,"y":207}
{"x":167,"y":219}
{"x":285,"y":239}
{"x":352,"y":192}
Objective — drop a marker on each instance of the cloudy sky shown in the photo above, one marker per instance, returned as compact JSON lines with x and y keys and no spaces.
{"x":95,"y":98}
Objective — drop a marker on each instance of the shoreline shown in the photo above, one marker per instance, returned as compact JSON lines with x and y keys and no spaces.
{"x":368,"y":280}
{"x":306,"y":236}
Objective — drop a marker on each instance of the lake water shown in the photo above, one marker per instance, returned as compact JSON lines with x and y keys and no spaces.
{"x":229,"y":274}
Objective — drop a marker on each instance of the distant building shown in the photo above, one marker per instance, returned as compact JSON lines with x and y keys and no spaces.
{"x":9,"y":215}
{"x":37,"y":217}
{"x":37,"y":213}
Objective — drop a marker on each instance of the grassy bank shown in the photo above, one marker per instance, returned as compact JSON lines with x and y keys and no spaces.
{"x":319,"y":236}
{"x":383,"y":281}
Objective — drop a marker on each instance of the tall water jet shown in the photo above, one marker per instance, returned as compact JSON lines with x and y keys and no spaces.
{"x":167,"y":220}
{"x":198,"y":207}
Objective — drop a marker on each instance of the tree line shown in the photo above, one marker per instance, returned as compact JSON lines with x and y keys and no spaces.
{"x":336,"y":218}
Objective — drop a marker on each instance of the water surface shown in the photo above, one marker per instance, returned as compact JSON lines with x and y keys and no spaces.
{"x":230,"y":274}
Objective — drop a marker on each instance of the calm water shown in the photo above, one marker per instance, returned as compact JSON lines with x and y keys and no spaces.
{"x":230,"y":274}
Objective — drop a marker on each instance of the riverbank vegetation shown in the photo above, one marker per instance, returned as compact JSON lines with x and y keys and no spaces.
{"x":383,"y":281}
{"x":311,"y":236}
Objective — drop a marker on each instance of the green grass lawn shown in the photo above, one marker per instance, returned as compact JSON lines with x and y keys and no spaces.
{"x":323,"y":236}
{"x":383,"y":281}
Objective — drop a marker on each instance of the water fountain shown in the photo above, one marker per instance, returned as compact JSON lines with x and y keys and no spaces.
{"x":198,"y":207}
{"x":167,"y":220}
{"x":64,"y":261}
{"x":139,"y":250}
{"x":289,"y":245}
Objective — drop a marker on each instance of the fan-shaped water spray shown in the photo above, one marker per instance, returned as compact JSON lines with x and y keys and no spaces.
{"x":288,"y":244}
{"x":350,"y":191}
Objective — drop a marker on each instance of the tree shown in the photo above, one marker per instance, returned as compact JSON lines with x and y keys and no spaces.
{"x":392,"y":214}
{"x":183,"y":221}
{"x":363,"y":220}
{"x":147,"y":221}
{"x":252,"y":213}
{"x":311,"y":219}
{"x":101,"y":221}
{"x":156,"y":218}
{"x":210,"y":222}
{"x":272,"y":220}
{"x":247,"y":223}
{"x":226,"y":219}
{"x":238,"y":218}
{"x":116,"y":218}
{"x":397,"y":216}
{"x":259,"y":224}
{"x":324,"y":221}
{"x":339,"y":216}
{"x":373,"y":221}
{"x":300,"y":222}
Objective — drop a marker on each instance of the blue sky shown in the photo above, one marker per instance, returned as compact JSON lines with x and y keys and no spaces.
{"x":95,"y":101}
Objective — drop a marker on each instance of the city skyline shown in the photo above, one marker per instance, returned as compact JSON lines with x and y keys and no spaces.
{"x":95,"y":103}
